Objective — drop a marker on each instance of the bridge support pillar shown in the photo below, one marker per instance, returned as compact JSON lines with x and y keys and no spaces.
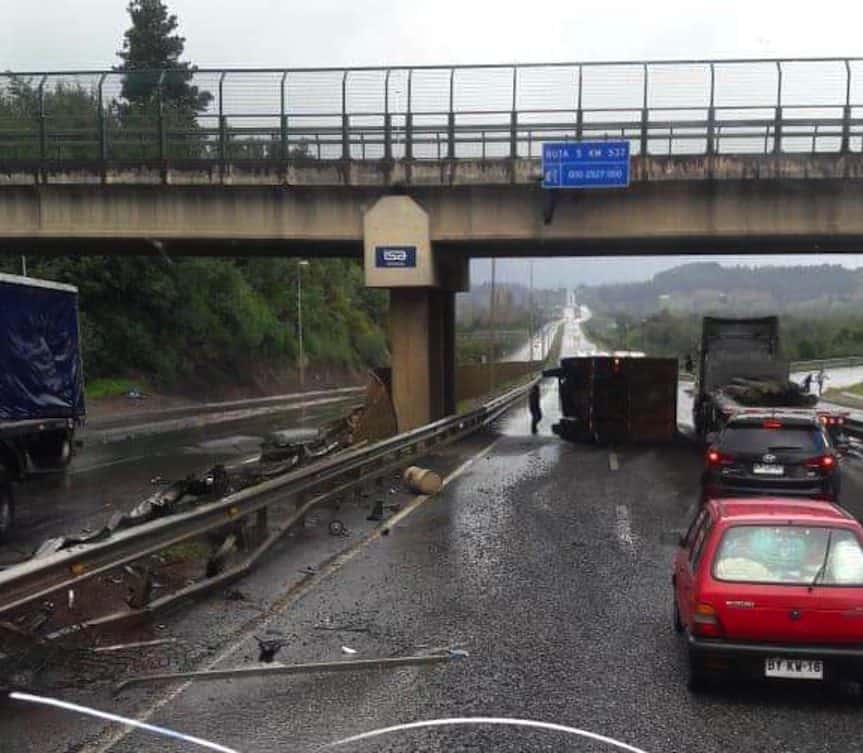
{"x":422,"y":284}
{"x":422,"y":343}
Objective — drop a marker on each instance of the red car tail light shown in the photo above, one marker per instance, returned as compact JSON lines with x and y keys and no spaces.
{"x":705,"y":622}
{"x":772,"y":424}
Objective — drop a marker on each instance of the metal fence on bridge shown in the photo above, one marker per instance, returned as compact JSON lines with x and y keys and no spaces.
{"x":430,"y":113}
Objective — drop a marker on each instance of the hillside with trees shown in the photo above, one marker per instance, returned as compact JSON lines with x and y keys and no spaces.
{"x":820,"y":307}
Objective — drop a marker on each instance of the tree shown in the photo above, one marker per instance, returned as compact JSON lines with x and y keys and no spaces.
{"x":151,"y":46}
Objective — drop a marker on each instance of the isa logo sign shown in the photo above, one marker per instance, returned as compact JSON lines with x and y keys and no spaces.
{"x":395,"y":257}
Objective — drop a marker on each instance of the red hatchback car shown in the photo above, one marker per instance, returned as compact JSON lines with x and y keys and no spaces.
{"x":771,"y":588}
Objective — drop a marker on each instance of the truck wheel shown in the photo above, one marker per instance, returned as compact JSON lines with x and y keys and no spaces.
{"x":7,"y":510}
{"x":53,"y":450}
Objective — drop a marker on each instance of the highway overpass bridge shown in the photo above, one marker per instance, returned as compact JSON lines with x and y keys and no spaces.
{"x":731,"y":156}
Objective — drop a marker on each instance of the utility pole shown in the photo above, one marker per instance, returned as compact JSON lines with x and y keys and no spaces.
{"x":300,"y":264}
{"x":23,"y":265}
{"x":492,"y":325}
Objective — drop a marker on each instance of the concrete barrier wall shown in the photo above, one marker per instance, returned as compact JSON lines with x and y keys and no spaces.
{"x":474,"y":380}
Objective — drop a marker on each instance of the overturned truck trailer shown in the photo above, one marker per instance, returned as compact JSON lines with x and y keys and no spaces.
{"x":616,"y":399}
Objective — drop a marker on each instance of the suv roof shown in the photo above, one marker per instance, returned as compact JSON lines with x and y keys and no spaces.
{"x":790,"y":420}
{"x":768,"y":509}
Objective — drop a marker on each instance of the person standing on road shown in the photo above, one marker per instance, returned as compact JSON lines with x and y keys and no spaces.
{"x":535,"y":409}
{"x":822,"y":377}
{"x":807,"y":384}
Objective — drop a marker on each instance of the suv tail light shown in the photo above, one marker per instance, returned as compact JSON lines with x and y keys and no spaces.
{"x":716,"y":458}
{"x":705,"y":622}
{"x":825,"y":463}
{"x":828,"y":420}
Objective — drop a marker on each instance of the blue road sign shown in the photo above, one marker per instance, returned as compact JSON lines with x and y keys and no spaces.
{"x":585,"y":164}
{"x":395,"y":256}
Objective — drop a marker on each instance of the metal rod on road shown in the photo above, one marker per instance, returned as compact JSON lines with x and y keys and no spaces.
{"x":293,"y":669}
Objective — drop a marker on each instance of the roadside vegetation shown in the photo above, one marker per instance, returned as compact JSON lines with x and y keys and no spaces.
{"x":171,"y":321}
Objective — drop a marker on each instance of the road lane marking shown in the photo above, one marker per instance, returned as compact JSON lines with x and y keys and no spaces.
{"x":623,"y":528}
{"x":613,"y":462}
{"x":294,"y":594}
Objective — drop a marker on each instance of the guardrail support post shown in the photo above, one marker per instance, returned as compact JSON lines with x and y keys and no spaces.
{"x":777,"y":131}
{"x":103,"y":142}
{"x":140,"y":582}
{"x":409,"y":139}
{"x":777,"y":127}
{"x":160,"y":106}
{"x":645,"y":116}
{"x":846,"y":129}
{"x":388,"y":136}
{"x":262,"y":522}
{"x":450,"y":147}
{"x":43,"y":140}
{"x":711,"y":131}
{"x":283,"y":120}
{"x":388,"y":121}
{"x":409,"y":122}
{"x":346,"y":137}
{"x":513,"y":135}
{"x":450,"y":151}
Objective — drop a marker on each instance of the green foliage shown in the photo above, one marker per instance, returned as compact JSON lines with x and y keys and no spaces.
{"x":150,"y":45}
{"x":106,"y":387}
{"x":215,"y":317}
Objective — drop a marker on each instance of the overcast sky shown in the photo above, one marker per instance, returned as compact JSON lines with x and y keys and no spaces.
{"x":75,"y":34}
{"x":85,"y":34}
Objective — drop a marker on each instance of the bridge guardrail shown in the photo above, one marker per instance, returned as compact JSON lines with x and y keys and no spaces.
{"x":689,"y":107}
{"x":38,"y":578}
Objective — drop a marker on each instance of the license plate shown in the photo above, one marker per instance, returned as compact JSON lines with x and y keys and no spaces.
{"x":794,"y":669}
{"x":768,"y":470}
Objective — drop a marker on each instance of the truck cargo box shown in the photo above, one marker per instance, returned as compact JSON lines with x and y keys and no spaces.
{"x":40,"y":360}
{"x":617,"y":399}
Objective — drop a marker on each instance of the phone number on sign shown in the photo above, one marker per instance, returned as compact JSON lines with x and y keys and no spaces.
{"x":595,"y":174}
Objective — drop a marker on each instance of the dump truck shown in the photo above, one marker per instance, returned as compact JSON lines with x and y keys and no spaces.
{"x":41,"y":383}
{"x":616,"y":399}
{"x":741,"y":369}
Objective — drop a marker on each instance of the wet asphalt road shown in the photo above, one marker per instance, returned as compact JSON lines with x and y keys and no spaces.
{"x":549,"y":568}
{"x":104,"y":478}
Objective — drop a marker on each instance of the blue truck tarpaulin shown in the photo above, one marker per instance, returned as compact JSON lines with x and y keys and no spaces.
{"x":40,"y":360}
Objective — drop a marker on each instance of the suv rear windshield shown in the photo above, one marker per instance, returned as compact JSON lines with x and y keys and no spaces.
{"x":790,"y":555}
{"x":756,"y":439}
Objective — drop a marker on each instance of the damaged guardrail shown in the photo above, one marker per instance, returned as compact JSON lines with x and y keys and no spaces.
{"x":241,"y":514}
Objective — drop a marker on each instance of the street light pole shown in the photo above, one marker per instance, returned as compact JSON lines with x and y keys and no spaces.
{"x":300,"y":264}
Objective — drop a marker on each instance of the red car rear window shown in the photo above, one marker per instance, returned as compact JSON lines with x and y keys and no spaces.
{"x":789,"y":555}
